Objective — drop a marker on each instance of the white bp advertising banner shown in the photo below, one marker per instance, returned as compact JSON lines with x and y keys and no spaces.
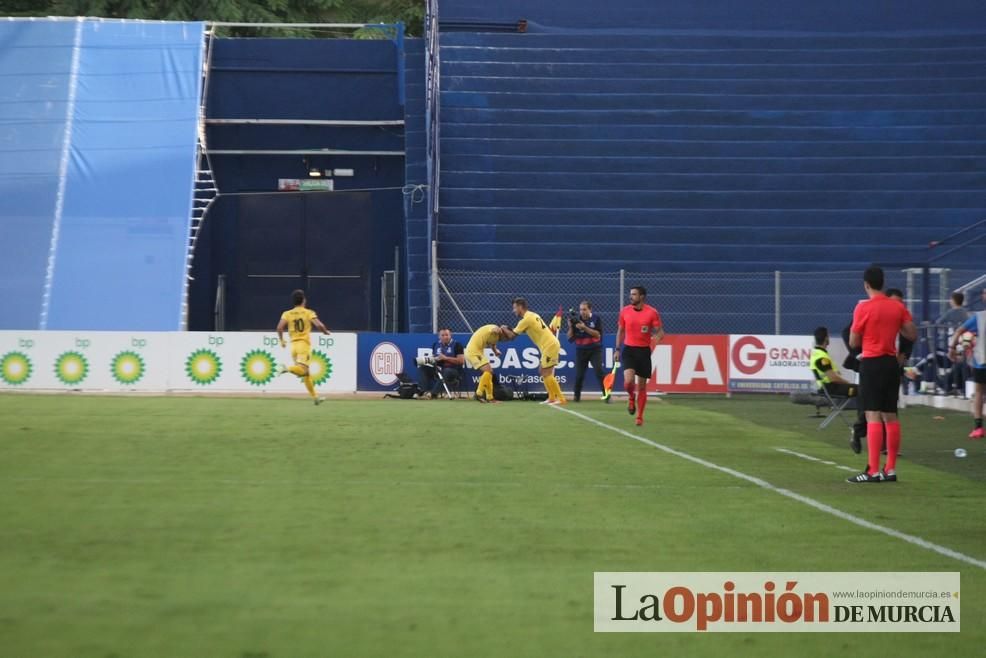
{"x":168,"y":361}
{"x":765,"y":363}
{"x":249,"y":362}
{"x":84,"y":360}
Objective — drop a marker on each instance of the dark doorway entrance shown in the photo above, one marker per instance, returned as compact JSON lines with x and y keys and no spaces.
{"x":319,"y":242}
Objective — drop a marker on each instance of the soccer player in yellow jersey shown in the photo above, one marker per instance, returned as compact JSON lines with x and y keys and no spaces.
{"x":539,"y":333}
{"x":298,"y":322}
{"x":486,"y":336}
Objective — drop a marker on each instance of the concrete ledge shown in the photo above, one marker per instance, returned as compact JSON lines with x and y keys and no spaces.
{"x":938,"y":402}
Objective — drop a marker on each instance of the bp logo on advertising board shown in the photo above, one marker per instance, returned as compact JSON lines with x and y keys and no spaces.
{"x":203,"y":367}
{"x":320,"y":367}
{"x":15,"y":368}
{"x":257,"y":367}
{"x":127,"y":367}
{"x":71,"y":368}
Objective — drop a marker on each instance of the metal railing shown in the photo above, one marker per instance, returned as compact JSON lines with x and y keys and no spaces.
{"x":971,"y":235}
{"x":388,"y":301}
{"x":778,"y":302}
{"x":432,"y":112}
{"x":432,"y":137}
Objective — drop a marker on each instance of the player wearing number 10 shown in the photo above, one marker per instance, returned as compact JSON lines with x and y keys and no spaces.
{"x":298,"y":321}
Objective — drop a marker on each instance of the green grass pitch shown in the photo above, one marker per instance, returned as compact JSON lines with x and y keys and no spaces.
{"x":269,"y":528}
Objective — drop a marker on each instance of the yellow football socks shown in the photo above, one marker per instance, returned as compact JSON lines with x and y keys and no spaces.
{"x":305,"y":376}
{"x":485,"y":389}
{"x":554,"y":388}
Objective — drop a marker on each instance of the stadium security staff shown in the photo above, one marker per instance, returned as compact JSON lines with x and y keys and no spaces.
{"x":826,"y":374}
{"x":449,"y":356}
{"x":586,"y":331}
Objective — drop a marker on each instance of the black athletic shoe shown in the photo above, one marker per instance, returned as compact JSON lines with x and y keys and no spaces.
{"x":888,"y":477}
{"x":631,"y":406}
{"x":855,"y":442}
{"x":866,"y":477}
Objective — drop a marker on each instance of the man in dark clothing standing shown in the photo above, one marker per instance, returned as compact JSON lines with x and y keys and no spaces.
{"x":587,"y":333}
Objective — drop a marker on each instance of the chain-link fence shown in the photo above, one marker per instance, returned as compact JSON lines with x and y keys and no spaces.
{"x":706,"y":303}
{"x":471,"y":299}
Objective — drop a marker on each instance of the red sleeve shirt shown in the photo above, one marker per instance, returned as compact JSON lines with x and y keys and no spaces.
{"x":639,"y":325}
{"x":879,"y":320}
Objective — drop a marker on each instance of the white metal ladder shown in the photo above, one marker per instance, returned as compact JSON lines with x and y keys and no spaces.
{"x":205,"y":189}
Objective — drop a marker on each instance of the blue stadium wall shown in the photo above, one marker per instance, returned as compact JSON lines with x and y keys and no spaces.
{"x":901,"y":143}
{"x":717,"y":136}
{"x":302,"y":79}
{"x":831,"y":16}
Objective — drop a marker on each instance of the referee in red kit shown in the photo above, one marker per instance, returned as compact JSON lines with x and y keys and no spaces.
{"x":875,"y":325}
{"x":639,"y":325}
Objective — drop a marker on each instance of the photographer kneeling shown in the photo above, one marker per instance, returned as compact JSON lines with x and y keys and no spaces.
{"x":447,"y":359}
{"x":585,"y":329}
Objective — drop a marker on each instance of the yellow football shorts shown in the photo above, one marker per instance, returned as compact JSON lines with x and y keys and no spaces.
{"x":476,"y":358}
{"x":550,"y":356}
{"x":301,"y":353}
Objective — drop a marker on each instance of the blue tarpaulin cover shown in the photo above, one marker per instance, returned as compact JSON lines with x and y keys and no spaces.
{"x":98,"y":123}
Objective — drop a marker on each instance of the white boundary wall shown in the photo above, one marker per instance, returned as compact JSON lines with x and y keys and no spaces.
{"x":168,"y":361}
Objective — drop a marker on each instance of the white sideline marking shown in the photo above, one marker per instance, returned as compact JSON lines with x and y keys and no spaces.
{"x":815,"y":459}
{"x":810,"y":502}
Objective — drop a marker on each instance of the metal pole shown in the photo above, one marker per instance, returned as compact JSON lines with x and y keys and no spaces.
{"x":345,"y":26}
{"x":462,"y":315}
{"x":943,"y":294}
{"x":926,"y":293}
{"x":777,"y":302}
{"x":397,"y":289}
{"x":399,"y":47}
{"x":210,"y":36}
{"x":300,"y":152}
{"x":910,"y":297}
{"x":931,"y":338}
{"x":623,"y":275}
{"x":434,"y":286}
{"x":219,"y":312}
{"x":302,"y":122}
{"x":383,"y":303}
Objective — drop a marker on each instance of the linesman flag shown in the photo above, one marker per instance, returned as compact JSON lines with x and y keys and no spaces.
{"x":555,"y":324}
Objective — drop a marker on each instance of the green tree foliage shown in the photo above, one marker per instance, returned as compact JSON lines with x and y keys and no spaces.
{"x":410,"y":12}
